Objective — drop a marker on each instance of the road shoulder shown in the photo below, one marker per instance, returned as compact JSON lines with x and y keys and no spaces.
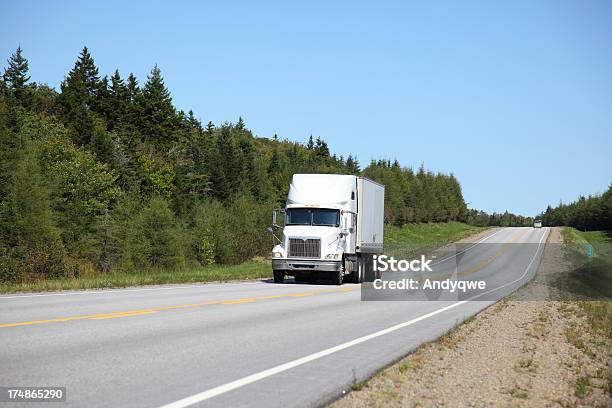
{"x":518,"y":352}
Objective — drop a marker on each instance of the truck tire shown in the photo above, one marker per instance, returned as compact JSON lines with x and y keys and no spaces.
{"x":338,"y":277}
{"x":368,"y":274}
{"x":357,"y":276}
{"x":279,"y":276}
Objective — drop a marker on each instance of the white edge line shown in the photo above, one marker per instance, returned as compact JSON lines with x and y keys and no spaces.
{"x":122,"y":290}
{"x":213,"y":392}
{"x":468,"y":248}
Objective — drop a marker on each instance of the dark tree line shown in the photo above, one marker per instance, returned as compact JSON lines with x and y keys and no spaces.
{"x":420,"y":196}
{"x":505,"y":219}
{"x":592,"y":213}
{"x":107,"y":174}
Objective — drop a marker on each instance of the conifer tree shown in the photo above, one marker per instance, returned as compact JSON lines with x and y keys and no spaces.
{"x":132,"y":88}
{"x":158,"y":117}
{"x":133,"y":109}
{"x":310,"y":145}
{"x":82,"y":84}
{"x":16,"y":75}
{"x":85,"y":64}
{"x":240,"y":124}
{"x":120,"y":98}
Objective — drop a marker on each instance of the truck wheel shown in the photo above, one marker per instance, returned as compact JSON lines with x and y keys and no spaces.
{"x":279,"y":276}
{"x":338,"y":277}
{"x":358,"y":274}
{"x":367,"y":271}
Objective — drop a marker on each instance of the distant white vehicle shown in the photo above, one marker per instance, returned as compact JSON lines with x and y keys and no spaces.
{"x":537,"y":224}
{"x":333,"y":225}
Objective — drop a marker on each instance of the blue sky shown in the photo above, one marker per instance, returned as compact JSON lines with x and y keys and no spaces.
{"x":514,"y":98}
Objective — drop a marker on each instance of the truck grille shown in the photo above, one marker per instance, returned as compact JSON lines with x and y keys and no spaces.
{"x":304,"y":248}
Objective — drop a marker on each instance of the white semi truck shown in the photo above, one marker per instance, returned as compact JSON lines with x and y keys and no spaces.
{"x":331,"y":225}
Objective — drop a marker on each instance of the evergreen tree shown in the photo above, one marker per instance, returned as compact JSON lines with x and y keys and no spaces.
{"x":193,"y":122}
{"x":102,"y":103}
{"x":16,"y":75}
{"x":82,"y":84}
{"x":120,"y":98}
{"x":240,"y":124}
{"x":158,"y":119}
{"x":352,"y":165}
{"x":29,"y":238}
{"x":310,"y":145}
{"x":85,"y":64}
{"x":132,"y":88}
{"x":133,"y":111}
{"x":321,"y":150}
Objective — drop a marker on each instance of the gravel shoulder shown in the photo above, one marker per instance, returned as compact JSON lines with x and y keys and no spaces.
{"x":518,"y":352}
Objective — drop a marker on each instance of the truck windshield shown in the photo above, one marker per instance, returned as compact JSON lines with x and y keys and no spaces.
{"x":307,"y":216}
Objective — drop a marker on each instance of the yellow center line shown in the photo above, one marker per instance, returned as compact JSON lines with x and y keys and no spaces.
{"x":140,"y":312}
{"x":124,"y":314}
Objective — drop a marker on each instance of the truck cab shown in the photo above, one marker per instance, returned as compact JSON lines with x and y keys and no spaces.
{"x":329,"y":227}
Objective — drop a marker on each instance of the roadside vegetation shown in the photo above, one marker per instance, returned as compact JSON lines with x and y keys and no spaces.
{"x":596,"y":271}
{"x":428,"y":234}
{"x":255,"y":269}
{"x":591,"y":255}
{"x":592,"y":213}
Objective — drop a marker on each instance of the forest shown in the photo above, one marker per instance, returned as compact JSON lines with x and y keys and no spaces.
{"x":592,"y":213}
{"x":106,"y":174}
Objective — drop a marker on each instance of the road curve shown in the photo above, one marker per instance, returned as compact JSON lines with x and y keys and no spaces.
{"x":235,"y":344}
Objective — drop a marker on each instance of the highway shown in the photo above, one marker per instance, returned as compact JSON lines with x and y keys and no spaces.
{"x":238,"y":344}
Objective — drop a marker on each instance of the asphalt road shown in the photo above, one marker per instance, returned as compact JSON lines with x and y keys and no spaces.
{"x":236,"y":344}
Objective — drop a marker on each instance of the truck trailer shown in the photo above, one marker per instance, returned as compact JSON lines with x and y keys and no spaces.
{"x":332,"y":226}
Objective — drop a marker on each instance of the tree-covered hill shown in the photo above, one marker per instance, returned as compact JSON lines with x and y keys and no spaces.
{"x":106,"y":174}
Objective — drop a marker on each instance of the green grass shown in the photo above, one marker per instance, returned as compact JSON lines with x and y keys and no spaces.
{"x":591,"y":277}
{"x":582,"y":386}
{"x":429,"y":234}
{"x":414,"y":239}
{"x":249,"y":270}
{"x":596,"y":272}
{"x":575,"y":237}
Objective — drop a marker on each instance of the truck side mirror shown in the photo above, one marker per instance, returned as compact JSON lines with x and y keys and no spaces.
{"x":344,"y":232}
{"x":269,"y":229}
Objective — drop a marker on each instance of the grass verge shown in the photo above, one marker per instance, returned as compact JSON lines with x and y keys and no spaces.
{"x":598,"y":312}
{"x":255,"y":269}
{"x":598,"y":269}
{"x":591,"y":254}
{"x":429,"y":234}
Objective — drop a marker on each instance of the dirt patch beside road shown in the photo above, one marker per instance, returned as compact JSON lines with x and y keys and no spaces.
{"x":516,"y":353}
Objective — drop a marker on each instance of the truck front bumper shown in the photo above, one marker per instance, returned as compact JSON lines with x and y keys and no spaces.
{"x":305,"y":265}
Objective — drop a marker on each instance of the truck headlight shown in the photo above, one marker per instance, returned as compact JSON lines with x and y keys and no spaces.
{"x":277,"y":255}
{"x":334,"y":257}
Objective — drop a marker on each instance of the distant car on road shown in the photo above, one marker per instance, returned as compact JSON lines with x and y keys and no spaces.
{"x":537,"y":224}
